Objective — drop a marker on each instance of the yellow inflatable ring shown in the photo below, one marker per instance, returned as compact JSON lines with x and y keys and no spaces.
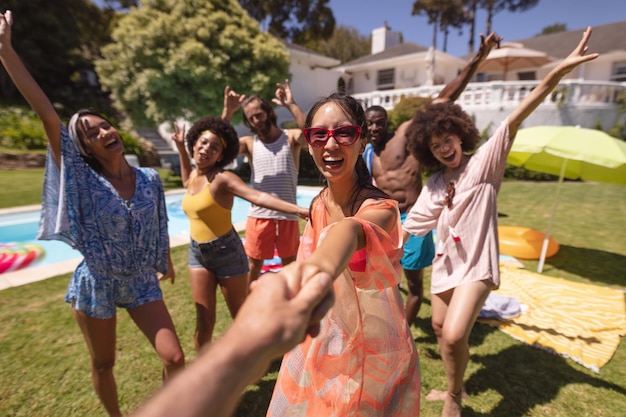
{"x":524,"y":243}
{"x":14,"y":256}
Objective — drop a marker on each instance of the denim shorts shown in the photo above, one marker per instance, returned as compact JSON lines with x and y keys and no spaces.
{"x":224,"y":256}
{"x":99,"y":296}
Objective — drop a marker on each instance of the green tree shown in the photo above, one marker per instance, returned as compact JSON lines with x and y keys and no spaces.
{"x":405,"y":109}
{"x":494,"y":7}
{"x":345,"y":45}
{"x":52,"y":41}
{"x":173,"y":58}
{"x":452,"y":16}
{"x":555,"y":28}
{"x":442,"y":14}
{"x":470,"y":7}
{"x":467,"y":13}
{"x":432,"y":11}
{"x":300,"y":21}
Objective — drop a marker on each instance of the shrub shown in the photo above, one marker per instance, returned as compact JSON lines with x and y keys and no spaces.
{"x":523,"y":174}
{"x":131,"y":143}
{"x":405,"y":109}
{"x":21,"y":129}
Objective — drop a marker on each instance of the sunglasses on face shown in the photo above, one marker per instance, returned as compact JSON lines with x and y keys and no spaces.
{"x":344,"y":135}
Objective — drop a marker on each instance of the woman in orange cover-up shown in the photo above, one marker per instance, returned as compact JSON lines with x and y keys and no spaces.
{"x":363,"y":362}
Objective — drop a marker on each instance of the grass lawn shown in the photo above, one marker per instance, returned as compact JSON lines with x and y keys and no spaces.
{"x":21,"y":187}
{"x":44,"y":364}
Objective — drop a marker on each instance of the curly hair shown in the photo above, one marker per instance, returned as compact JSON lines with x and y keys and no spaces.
{"x":437,"y":120}
{"x":221,"y":128}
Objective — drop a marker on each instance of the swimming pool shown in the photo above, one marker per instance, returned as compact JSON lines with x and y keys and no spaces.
{"x":22,"y":227}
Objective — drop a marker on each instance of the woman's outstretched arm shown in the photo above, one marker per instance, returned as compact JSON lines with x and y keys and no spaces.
{"x":28,"y":87}
{"x":235,"y":185}
{"x":538,"y":94}
{"x":271,"y":322}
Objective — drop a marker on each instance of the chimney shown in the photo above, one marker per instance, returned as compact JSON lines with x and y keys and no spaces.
{"x":383,"y":38}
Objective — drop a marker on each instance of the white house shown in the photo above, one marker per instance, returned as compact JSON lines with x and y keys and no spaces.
{"x":395,"y":70}
{"x":393,"y":67}
{"x":383,"y":76}
{"x":312,"y":77}
{"x":587,"y":95}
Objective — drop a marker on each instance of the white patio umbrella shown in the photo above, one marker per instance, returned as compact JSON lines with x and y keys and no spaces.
{"x":569,"y":152}
{"x":512,"y":56}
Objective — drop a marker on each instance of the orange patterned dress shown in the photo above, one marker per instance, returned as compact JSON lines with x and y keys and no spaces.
{"x":363,"y":362}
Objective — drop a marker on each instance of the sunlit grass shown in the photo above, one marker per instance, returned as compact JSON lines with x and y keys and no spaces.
{"x":21,"y":187}
{"x":44,"y":364}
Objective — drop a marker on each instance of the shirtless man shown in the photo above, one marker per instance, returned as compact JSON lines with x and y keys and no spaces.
{"x":397,"y":172}
{"x":274,"y":156}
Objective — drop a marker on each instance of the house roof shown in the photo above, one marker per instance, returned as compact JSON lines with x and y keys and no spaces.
{"x":604,"y":39}
{"x":322,"y":60}
{"x":392,"y":52}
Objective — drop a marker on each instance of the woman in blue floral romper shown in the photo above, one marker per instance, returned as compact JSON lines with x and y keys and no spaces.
{"x":115,"y":216}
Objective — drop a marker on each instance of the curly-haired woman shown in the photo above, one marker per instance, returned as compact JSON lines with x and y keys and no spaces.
{"x":460,"y":201}
{"x":216,"y":255}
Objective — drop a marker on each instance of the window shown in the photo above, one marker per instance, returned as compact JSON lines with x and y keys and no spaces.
{"x":481,"y":77}
{"x":526,"y":75}
{"x":341,"y":85}
{"x":386,"y":79}
{"x":619,"y":71}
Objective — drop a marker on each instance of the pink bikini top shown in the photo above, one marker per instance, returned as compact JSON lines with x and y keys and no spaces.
{"x":358,"y":261}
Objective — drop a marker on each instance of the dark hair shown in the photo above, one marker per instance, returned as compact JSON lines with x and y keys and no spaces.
{"x":380,"y":109}
{"x":221,"y":128}
{"x":265,"y":106}
{"x":77,"y":134}
{"x":354,"y":110}
{"x":437,"y":120}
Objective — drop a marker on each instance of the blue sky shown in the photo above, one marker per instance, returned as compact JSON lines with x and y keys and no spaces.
{"x":366,"y":15}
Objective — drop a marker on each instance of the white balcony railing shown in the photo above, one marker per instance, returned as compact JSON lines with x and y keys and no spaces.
{"x":495,"y":94}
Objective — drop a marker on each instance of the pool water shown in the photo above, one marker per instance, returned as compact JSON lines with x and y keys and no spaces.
{"x":22,"y":227}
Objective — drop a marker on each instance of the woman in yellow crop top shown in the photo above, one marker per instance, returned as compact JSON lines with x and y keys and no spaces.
{"x":216,"y":255}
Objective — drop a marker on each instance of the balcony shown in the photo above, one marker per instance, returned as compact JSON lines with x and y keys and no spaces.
{"x":573,"y":102}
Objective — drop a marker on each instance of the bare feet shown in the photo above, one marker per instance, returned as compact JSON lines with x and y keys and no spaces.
{"x":452,"y":405}
{"x":436,"y":395}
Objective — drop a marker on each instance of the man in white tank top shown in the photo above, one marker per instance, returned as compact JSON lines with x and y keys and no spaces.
{"x":274,"y":156}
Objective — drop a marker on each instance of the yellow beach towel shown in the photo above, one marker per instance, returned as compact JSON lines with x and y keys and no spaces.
{"x":581,"y":321}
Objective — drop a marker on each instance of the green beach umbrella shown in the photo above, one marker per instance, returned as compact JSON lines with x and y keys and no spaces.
{"x":588,"y":154}
{"x":569,"y":152}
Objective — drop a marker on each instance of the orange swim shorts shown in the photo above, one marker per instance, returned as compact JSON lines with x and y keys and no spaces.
{"x":263,"y":234}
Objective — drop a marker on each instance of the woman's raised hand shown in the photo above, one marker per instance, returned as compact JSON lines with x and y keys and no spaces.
{"x":179,"y":134}
{"x":577,"y":56}
{"x":6,"y":20}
